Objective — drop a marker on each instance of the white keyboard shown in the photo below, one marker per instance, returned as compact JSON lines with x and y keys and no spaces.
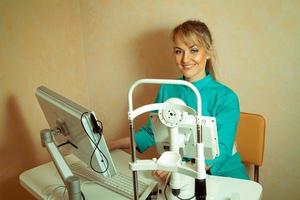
{"x":120,"y":183}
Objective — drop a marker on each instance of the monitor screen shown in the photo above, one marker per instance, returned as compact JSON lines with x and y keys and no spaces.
{"x":80,"y":130}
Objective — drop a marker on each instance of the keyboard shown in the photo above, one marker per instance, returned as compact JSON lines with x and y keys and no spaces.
{"x":120,"y":183}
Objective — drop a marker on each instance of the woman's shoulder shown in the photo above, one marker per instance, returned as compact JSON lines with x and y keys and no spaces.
{"x":223,"y":91}
{"x":211,"y":87}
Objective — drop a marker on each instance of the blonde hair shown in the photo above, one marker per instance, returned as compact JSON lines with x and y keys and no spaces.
{"x":197,"y":32}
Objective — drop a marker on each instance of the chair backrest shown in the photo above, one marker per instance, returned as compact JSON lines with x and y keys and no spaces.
{"x":250,"y":138}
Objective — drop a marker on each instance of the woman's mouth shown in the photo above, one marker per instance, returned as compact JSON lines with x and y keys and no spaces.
{"x":188,"y":66}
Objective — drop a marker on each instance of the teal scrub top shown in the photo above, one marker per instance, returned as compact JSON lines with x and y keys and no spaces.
{"x":218,"y":101}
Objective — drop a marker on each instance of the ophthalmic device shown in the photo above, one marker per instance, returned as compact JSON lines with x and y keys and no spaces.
{"x":172,"y":114}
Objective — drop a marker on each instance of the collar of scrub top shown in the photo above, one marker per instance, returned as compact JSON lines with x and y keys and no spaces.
{"x":202,"y":82}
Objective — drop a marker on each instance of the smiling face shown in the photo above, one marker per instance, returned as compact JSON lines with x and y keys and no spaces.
{"x":190,"y":58}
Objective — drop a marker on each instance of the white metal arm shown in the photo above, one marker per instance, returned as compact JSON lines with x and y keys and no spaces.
{"x":165,"y":81}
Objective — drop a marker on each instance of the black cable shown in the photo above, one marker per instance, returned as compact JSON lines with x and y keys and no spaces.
{"x":67,"y":142}
{"x":177,"y":195}
{"x":91,"y":158}
{"x":83,"y":197}
{"x":96,"y":146}
{"x":185,"y":199}
{"x":174,"y":195}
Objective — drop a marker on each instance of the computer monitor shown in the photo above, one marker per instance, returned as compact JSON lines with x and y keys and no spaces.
{"x":79,"y":127}
{"x":187,"y":130}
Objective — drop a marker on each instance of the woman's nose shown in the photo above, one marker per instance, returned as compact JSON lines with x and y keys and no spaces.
{"x":185,"y":57}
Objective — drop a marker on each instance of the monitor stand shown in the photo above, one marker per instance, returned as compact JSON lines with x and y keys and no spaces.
{"x":71,"y":182}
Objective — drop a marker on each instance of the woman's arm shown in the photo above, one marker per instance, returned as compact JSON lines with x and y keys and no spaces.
{"x":227,"y":119}
{"x":122,"y":143}
{"x":143,"y":138}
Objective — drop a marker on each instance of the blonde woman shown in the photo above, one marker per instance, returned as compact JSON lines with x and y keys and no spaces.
{"x":193,"y":50}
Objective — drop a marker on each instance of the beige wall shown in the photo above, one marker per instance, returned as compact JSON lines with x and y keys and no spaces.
{"x":92,"y":51}
{"x":41,"y":44}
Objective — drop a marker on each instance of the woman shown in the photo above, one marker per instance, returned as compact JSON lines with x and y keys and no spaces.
{"x":194,"y":55}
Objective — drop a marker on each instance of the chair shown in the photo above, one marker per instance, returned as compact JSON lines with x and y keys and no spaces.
{"x":250,"y":140}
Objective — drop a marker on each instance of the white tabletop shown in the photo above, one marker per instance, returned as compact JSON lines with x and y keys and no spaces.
{"x":44,"y":182}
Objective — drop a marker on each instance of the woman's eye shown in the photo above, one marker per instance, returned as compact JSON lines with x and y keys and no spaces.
{"x":194,"y":50}
{"x":177,"y":51}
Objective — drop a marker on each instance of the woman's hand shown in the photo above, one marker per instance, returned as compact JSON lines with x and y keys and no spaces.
{"x":207,"y":167}
{"x":161,"y":175}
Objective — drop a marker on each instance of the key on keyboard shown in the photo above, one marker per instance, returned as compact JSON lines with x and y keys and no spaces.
{"x":120,"y":183}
